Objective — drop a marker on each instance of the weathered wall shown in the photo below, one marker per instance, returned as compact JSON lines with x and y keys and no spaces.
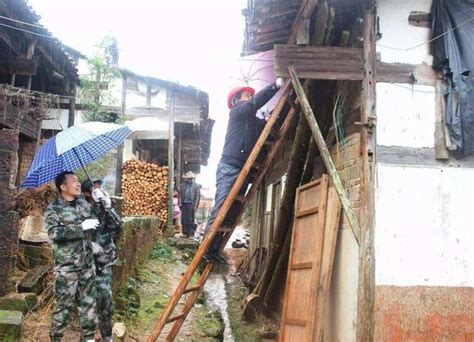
{"x":139,"y":235}
{"x":8,"y":218}
{"x":424,"y":218}
{"x":341,"y":310}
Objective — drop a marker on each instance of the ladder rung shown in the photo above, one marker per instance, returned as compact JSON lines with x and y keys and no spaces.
{"x":268,"y":143}
{"x":174,"y":318}
{"x":291,"y":102}
{"x":226,"y":229}
{"x":192,"y":288}
{"x":275,"y":134}
{"x":240,"y":198}
{"x":257,"y":166}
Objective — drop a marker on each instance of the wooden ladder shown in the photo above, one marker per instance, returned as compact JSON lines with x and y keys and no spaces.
{"x":258,"y":170}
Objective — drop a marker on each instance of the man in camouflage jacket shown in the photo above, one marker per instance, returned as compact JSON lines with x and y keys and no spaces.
{"x":69,"y":225}
{"x":104,"y":253}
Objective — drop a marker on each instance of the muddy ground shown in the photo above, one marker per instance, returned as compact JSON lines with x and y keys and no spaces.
{"x":216,"y":316}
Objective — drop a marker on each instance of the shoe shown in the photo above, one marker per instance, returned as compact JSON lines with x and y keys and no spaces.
{"x":218,"y":258}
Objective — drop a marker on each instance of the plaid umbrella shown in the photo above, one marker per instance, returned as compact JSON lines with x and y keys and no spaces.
{"x":73,"y":148}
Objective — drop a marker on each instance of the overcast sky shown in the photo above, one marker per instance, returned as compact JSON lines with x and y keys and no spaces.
{"x":193,"y":42}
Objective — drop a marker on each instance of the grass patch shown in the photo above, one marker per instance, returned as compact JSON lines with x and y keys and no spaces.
{"x":162,"y":252}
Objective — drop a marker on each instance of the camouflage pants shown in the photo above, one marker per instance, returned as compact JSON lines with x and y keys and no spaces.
{"x":103,"y":282}
{"x":74,"y":289}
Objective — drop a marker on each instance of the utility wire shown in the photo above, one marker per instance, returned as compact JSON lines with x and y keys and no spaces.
{"x":27,"y":31}
{"x":429,"y":41}
{"x":23,"y":22}
{"x":433,"y":92}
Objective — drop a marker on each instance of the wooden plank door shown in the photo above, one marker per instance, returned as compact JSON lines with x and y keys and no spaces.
{"x":299,"y":309}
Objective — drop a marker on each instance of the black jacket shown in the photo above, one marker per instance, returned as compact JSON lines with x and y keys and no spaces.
{"x":244,"y":127}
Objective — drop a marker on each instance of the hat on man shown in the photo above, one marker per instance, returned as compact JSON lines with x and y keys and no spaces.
{"x":189,"y":174}
{"x":237,"y":90}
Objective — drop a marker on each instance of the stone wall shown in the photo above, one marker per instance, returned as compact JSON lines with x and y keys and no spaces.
{"x":138,"y":238}
{"x":8,"y":218}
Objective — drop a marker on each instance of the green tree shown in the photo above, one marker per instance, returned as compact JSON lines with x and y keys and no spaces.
{"x":96,"y":90}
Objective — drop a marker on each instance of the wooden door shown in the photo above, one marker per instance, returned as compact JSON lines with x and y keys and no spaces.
{"x":298,"y":319}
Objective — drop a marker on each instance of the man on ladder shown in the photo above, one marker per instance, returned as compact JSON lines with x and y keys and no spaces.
{"x":243,"y":130}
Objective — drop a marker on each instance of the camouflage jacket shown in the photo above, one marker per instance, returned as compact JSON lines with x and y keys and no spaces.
{"x":108,"y":231}
{"x":72,"y":247}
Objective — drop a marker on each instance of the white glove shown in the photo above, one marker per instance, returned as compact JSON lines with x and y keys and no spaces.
{"x":89,"y":224}
{"x":97,"y":249}
{"x":279,"y":82}
{"x":107,"y":202}
{"x":97,"y":195}
{"x":100,"y":197}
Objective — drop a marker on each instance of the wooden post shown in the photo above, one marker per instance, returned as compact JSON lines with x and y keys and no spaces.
{"x":171,"y":161}
{"x":71,"y":91}
{"x":179,"y":167}
{"x":29,"y":55}
{"x":366,"y":286}
{"x":326,"y":156}
{"x":148,"y":95}
{"x":123,"y":106}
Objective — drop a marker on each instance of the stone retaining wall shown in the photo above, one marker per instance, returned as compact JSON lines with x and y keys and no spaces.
{"x":139,"y":236}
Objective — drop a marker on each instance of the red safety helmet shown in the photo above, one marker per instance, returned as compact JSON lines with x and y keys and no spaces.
{"x":237,"y":90}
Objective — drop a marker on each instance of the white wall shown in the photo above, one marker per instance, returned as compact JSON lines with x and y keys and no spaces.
{"x":135,"y":100}
{"x":405,"y":115}
{"x":341,"y":320}
{"x":398,"y":34}
{"x":424,"y":226}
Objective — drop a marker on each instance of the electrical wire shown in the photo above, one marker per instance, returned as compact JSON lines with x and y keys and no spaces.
{"x":23,"y":22}
{"x":433,"y":92}
{"x":27,"y":31}
{"x":429,"y":41}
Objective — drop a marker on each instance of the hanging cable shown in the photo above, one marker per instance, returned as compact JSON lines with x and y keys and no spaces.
{"x":428,"y":41}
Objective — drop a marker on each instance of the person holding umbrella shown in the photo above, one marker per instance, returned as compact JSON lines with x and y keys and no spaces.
{"x":68,"y":219}
{"x":69,"y":224}
{"x":105,"y":254}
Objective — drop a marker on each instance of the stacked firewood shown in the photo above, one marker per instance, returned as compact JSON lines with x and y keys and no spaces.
{"x":34,"y":201}
{"x":144,"y":189}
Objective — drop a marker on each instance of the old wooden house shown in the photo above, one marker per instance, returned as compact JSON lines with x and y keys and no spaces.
{"x":383,"y":104}
{"x":36,"y":73}
{"x":148,"y":104}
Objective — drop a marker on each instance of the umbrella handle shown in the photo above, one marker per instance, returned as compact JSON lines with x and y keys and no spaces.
{"x":82,"y":165}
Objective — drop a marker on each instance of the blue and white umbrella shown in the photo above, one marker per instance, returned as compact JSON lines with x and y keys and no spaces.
{"x":73,"y":148}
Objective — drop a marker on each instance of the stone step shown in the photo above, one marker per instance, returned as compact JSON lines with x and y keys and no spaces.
{"x":22,"y":302}
{"x":35,"y":280}
{"x":10,"y":325}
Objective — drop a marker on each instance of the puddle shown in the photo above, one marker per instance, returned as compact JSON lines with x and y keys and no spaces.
{"x":217,"y":299}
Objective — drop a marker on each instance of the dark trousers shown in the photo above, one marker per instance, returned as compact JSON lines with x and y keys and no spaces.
{"x":187,"y":219}
{"x":226,"y":176}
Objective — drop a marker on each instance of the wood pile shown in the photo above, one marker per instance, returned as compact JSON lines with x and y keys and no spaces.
{"x":145,"y":189}
{"x":35,"y":201}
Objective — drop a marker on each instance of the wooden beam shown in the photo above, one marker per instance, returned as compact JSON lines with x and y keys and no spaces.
{"x":306,"y":10}
{"x":17,"y":65}
{"x":405,"y":73}
{"x":12,"y":43}
{"x":319,"y":62}
{"x":302,"y":37}
{"x":366,"y":271}
{"x":421,"y":19}
{"x":343,"y":63}
{"x":320,"y":24}
{"x":325,"y":155}
{"x":441,"y":151}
